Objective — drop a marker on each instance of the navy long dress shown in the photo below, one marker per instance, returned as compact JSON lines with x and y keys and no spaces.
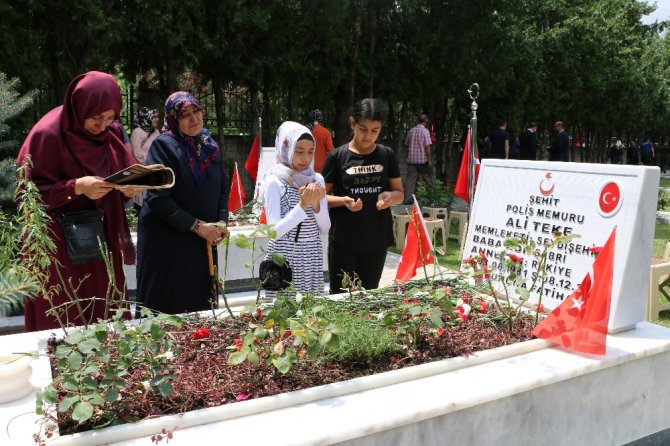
{"x":172,"y":270}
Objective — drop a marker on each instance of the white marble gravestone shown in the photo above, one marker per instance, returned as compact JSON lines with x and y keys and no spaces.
{"x":535,"y":199}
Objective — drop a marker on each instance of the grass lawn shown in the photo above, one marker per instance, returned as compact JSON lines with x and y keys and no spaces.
{"x":661,"y":237}
{"x":665,"y":182}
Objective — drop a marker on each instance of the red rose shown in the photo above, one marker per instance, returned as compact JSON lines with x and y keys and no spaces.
{"x":201,"y":333}
{"x":287,"y":333}
{"x":440,"y":332}
{"x":483,"y":307}
{"x":259,"y":314}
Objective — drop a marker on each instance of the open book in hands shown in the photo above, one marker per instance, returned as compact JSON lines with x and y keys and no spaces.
{"x":154,"y":176}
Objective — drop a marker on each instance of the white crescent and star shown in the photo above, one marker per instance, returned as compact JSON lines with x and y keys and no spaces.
{"x":577,"y":303}
{"x":605,"y":198}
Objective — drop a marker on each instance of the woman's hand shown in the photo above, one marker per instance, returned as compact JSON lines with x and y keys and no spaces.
{"x":384,"y":200}
{"x":130,"y":191}
{"x":353,"y":205}
{"x":214,"y":234}
{"x":92,"y":187}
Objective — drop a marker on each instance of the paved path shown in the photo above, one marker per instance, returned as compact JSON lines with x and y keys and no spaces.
{"x":391,"y":266}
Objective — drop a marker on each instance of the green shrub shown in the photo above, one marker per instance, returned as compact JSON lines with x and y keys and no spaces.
{"x":435,"y":194}
{"x":663,"y":201}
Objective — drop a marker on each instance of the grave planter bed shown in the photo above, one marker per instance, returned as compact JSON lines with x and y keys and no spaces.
{"x":203,"y":378}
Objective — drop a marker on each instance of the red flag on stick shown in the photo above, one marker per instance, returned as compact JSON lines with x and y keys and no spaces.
{"x":463,"y":179}
{"x":251,"y":165}
{"x":580,"y":322}
{"x":237,"y":197}
{"x":414,"y":257}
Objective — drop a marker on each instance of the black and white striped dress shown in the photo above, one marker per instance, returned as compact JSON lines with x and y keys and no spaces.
{"x":306,"y":256}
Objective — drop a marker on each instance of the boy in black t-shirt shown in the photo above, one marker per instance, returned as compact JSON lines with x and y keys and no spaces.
{"x":362,"y":182}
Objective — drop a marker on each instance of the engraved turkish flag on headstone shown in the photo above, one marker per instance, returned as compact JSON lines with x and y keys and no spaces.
{"x":580,"y":322}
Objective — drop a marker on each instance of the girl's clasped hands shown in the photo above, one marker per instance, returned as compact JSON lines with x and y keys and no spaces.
{"x":311,"y":195}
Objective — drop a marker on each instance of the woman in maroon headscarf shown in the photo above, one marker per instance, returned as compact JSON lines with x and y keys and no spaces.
{"x":72,"y":148}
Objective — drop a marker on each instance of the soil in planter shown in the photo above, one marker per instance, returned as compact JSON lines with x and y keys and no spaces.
{"x":205,"y":379}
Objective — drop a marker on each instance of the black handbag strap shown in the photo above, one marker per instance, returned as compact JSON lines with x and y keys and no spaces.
{"x":297,"y":233}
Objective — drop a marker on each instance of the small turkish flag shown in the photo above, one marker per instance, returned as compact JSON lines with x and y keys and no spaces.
{"x":413,"y":257}
{"x":251,"y":165}
{"x":580,"y":322}
{"x":237,"y":196}
{"x":461,"y":189}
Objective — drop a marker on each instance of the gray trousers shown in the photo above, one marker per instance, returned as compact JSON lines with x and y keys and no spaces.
{"x":414,"y":173}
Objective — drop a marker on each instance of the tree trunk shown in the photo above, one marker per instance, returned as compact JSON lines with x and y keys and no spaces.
{"x":345,"y":97}
{"x":170,"y":71}
{"x":220,"y":108}
{"x":372,"y":14}
{"x":57,"y":87}
{"x":255,"y":112}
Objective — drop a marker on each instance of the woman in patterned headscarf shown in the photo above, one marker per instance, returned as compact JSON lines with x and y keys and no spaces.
{"x":173,"y":230}
{"x":145,"y":130}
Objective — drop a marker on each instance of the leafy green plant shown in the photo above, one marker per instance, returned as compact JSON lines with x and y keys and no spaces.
{"x":435,"y":194}
{"x":26,"y":249}
{"x":663,"y":201}
{"x":89,"y":378}
{"x":243,"y":241}
{"x":12,"y":104}
{"x":306,"y":333}
{"x":507,"y":275}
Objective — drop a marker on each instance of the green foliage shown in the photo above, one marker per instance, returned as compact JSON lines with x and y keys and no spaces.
{"x":25,"y":248}
{"x":12,"y":104}
{"x":663,"y":201}
{"x":360,"y":340}
{"x":90,"y":379}
{"x":506,"y":283}
{"x":294,"y":334}
{"x":435,"y":194}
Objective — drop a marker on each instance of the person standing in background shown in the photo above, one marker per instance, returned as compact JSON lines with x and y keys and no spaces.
{"x":560,"y":148}
{"x":529,"y":143}
{"x":419,"y":162}
{"x":145,"y":130}
{"x":322,"y":136}
{"x":514,"y":145}
{"x":647,"y":152}
{"x":633,"y":154}
{"x":616,"y":153}
{"x":500,"y":141}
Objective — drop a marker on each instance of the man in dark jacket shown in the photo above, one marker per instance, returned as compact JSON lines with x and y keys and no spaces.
{"x":529,"y":143}
{"x":559,"y":150}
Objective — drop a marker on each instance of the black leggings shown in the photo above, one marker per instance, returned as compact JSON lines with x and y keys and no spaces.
{"x":368,"y":267}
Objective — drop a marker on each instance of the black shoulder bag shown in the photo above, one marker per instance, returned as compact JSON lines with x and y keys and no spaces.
{"x":276,"y":277}
{"x":82,"y":229}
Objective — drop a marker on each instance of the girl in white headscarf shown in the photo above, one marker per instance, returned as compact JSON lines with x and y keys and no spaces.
{"x":294,"y":197}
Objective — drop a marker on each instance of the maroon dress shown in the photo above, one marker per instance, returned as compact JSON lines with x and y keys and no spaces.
{"x":62,"y":151}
